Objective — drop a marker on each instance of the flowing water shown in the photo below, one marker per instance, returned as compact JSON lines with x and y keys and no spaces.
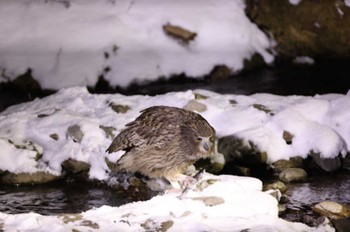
{"x":58,"y":198}
{"x":322,"y":187}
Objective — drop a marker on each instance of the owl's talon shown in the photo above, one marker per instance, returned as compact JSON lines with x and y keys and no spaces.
{"x":194,"y":180}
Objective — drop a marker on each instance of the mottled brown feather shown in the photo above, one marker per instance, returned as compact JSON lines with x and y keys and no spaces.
{"x":162,"y":142}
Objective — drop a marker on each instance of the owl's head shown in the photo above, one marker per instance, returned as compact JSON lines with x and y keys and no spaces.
{"x":206,"y":145}
{"x":203,"y":138}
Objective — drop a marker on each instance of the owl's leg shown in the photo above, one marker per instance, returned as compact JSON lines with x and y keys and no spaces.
{"x":189,"y":186}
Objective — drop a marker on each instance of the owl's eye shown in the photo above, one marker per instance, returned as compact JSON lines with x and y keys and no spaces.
{"x":199,"y":139}
{"x":212,"y":139}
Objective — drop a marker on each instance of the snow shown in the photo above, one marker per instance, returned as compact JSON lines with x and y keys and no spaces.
{"x":71,"y":42}
{"x":319,"y":123}
{"x":243,"y":207}
{"x":347,"y":3}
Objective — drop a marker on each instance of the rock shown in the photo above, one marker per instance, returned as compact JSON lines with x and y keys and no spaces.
{"x":28,"y":178}
{"x":280,"y":165}
{"x":234,"y":148}
{"x":210,"y":201}
{"x":293,"y":175}
{"x":275,"y":193}
{"x":75,"y":166}
{"x":120,"y":109}
{"x":346,"y":162}
{"x":327,"y":164}
{"x":108,"y":131}
{"x":213,"y":165}
{"x":74,"y":132}
{"x":262,"y":108}
{"x":332,"y":210}
{"x":241,"y":153}
{"x":238,"y":170}
{"x":281,"y":208}
{"x":341,"y":225}
{"x":54,"y":136}
{"x":198,"y":96}
{"x":194,"y":105}
{"x":151,"y":225}
{"x":318,"y":29}
{"x":288,"y":137}
{"x":179,"y":33}
{"x":276,"y":185}
{"x":220,"y":72}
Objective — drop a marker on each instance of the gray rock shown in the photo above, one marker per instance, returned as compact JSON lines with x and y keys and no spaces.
{"x":75,"y":166}
{"x":293,"y":175}
{"x":346,"y":162}
{"x":28,"y":178}
{"x":194,"y":105}
{"x":120,"y":109}
{"x":234,"y":148}
{"x":280,"y":165}
{"x":210,"y":201}
{"x":328,"y":165}
{"x":74,"y":132}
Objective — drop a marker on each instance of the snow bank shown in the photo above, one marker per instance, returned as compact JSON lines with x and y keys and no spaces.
{"x":319,"y":124}
{"x":240,"y":205}
{"x":73,"y":42}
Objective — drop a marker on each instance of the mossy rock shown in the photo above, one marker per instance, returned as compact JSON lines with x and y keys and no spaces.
{"x":310,"y":28}
{"x":28,"y":178}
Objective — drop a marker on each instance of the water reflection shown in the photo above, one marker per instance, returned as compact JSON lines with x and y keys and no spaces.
{"x":302,"y":196}
{"x":58,"y":198}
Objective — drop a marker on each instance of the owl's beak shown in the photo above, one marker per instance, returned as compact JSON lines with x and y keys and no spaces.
{"x":205,"y":145}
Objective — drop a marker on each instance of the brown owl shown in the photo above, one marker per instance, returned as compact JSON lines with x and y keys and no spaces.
{"x":163,"y":141}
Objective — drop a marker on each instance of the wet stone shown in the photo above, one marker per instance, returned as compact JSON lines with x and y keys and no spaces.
{"x":332,"y":210}
{"x":75,"y":166}
{"x":327,"y":164}
{"x":276,"y":185}
{"x":293,"y":175}
{"x":28,"y":178}
{"x":280,"y":165}
{"x":346,"y":162}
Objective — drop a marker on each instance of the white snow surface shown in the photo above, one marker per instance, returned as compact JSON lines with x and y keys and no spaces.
{"x":319,"y":123}
{"x":71,"y":42}
{"x":243,"y":207}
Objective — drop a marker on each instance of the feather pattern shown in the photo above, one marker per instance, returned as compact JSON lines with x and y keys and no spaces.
{"x":162,"y":142}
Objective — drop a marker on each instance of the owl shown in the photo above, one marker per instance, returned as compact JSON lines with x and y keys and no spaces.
{"x":162,"y":142}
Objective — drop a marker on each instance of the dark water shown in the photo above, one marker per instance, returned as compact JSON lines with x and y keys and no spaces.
{"x":58,"y":198}
{"x":323,"y":187}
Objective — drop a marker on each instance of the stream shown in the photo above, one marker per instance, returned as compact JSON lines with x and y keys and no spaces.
{"x":66,"y":197}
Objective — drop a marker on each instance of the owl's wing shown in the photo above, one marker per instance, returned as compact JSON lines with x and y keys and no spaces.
{"x":143,"y":135}
{"x":121,"y":142}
